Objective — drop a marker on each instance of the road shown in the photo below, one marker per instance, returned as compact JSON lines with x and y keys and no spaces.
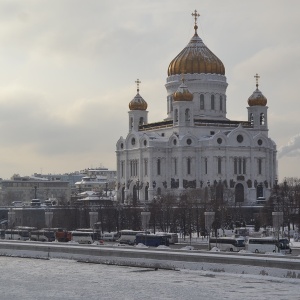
{"x":204,"y":246}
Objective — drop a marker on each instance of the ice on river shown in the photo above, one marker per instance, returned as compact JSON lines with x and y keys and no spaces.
{"x":25,"y":278}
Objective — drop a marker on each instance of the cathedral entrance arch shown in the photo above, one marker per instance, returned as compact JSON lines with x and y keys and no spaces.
{"x":134,"y":195}
{"x":123,"y":195}
{"x":239,"y":193}
{"x":159,"y":191}
{"x":259,"y":191}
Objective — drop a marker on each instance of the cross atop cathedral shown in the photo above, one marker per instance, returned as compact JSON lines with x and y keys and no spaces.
{"x":138,"y":85}
{"x":195,"y":15}
{"x":256,"y":77}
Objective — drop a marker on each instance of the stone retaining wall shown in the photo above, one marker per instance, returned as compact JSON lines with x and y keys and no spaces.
{"x":277,"y":266}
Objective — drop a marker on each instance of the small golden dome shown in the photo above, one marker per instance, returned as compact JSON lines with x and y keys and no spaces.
{"x":138,"y":103}
{"x":183,"y":94}
{"x":257,"y":98}
{"x":196,"y":58}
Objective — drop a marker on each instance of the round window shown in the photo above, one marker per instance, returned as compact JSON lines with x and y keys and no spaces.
{"x":145,"y":143}
{"x":188,"y":141}
{"x":174,"y":142}
{"x":133,"y":141}
{"x":219,"y":140}
{"x":240,"y":138}
{"x":259,"y":142}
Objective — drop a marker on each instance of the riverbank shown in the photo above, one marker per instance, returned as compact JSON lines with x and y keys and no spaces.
{"x":275,"y":265}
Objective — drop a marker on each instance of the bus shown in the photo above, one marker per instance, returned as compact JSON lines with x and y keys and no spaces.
{"x":172,"y":237}
{"x":43,"y":235}
{"x":129,"y":236}
{"x":152,"y":240}
{"x":227,"y":243}
{"x":83,"y":237}
{"x":21,"y":233}
{"x":268,"y":244}
{"x":110,"y":236}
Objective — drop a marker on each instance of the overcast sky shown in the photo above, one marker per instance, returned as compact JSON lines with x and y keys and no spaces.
{"x":68,"y":71}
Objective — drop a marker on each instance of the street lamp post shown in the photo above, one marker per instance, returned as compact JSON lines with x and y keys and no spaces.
{"x":277,"y":215}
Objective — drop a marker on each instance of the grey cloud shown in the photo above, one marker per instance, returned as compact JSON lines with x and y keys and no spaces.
{"x":292,"y":149}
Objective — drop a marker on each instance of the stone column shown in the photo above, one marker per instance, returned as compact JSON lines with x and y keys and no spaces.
{"x":209,"y":219}
{"x":11,"y":219}
{"x":277,"y":222}
{"x":145,"y":219}
{"x":48,"y":219}
{"x":93,"y":218}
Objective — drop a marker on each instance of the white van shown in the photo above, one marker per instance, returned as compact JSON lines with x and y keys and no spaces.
{"x":35,"y":203}
{"x":110,"y":236}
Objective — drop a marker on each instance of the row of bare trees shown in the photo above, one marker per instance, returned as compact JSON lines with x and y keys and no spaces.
{"x":185,"y":214}
{"x":285,"y":197}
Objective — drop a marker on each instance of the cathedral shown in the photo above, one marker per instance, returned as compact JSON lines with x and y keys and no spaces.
{"x":196,"y":146}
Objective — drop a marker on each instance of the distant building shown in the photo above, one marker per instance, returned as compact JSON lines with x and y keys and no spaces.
{"x":99,"y":180}
{"x":59,"y":186}
{"x":25,"y":189}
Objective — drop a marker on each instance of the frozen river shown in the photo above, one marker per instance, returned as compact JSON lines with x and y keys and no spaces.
{"x":24,"y":278}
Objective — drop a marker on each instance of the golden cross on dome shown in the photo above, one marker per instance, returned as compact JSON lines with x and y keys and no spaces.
{"x":138,"y":85}
{"x":195,"y":15}
{"x":256,"y":77}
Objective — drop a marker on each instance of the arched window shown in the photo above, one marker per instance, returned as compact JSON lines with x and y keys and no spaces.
{"x":201,"y":101}
{"x":239,"y":165}
{"x":134,"y":194}
{"x":141,"y":121}
{"x":146,"y":166}
{"x":189,"y":166}
{"x":262,"y":119}
{"x":158,"y":166}
{"x":146,"y":193}
{"x":131,"y":123}
{"x":122,"y":168}
{"x":259,"y":191}
{"x":221,"y":103}
{"x":259,"y":166}
{"x":251,"y":119}
{"x":123,"y":195}
{"x":205,"y":165}
{"x":187,"y":114}
{"x":176,"y":115}
{"x":159,"y":191}
{"x":239,"y":193}
{"x":219,"y":165}
{"x":212,"y":102}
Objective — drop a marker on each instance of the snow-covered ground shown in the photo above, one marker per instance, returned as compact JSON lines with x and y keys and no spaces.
{"x":24,"y":278}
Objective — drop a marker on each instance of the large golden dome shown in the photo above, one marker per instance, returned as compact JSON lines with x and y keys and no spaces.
{"x":196,"y":58}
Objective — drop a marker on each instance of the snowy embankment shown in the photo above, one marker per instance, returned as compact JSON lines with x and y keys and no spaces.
{"x":282,"y":266}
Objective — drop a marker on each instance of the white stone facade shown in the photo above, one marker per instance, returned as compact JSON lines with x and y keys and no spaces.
{"x":196,"y":145}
